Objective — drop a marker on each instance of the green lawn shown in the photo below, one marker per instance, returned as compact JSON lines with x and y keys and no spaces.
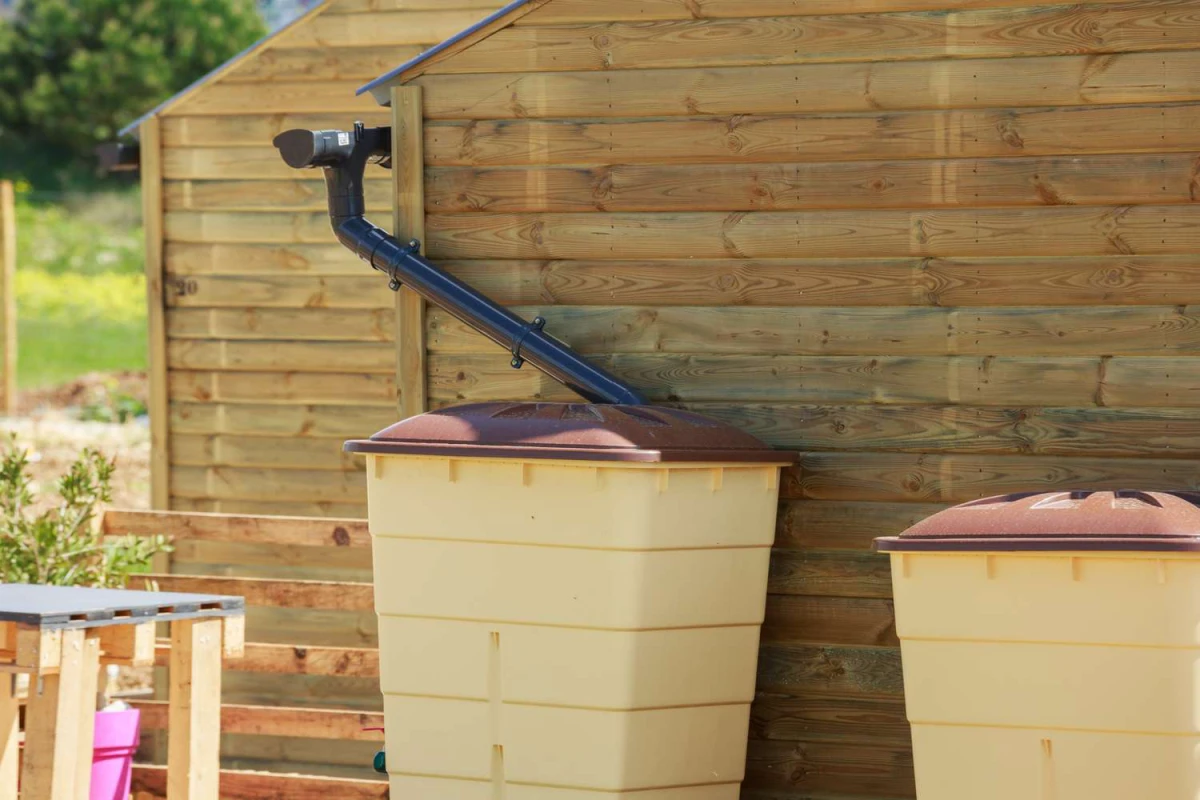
{"x":81,"y":304}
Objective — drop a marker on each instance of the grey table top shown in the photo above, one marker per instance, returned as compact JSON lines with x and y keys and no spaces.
{"x":71,"y":607}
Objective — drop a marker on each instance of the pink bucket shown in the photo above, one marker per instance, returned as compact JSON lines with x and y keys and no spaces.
{"x":112,"y":760}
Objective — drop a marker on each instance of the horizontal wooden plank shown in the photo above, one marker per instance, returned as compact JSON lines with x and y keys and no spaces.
{"x":250,"y":558}
{"x":831,"y":768}
{"x":282,"y":659}
{"x":301,"y":421}
{"x":1040,"y":331}
{"x":969,"y":33}
{"x":306,"y":531}
{"x":264,"y":195}
{"x":967,"y":282}
{"x":260,"y":161}
{"x":1048,"y":231}
{"x":151,"y":781}
{"x":321,"y":627}
{"x":287,"y":388}
{"x":276,"y":594}
{"x":314,"y":324}
{"x":251,"y":129}
{"x":893,"y":477}
{"x":846,"y":525}
{"x":830,"y":573}
{"x":830,"y":620}
{"x":1122,"y":382}
{"x":405,"y":27}
{"x":303,"y":723}
{"x":818,"y":718}
{"x":313,"y":691}
{"x":939,"y":183}
{"x":282,"y":453}
{"x":298,"y":508}
{"x":229,"y":483}
{"x":1004,"y":382}
{"x":874,"y":92}
{"x":358,"y":63}
{"x":284,"y":356}
{"x":1159,"y":382}
{"x":797,"y":669}
{"x":1128,"y":432}
{"x":274,"y":561}
{"x":364,"y":291}
{"x":188,"y":260}
{"x":332,"y":758}
{"x":368,"y":6}
{"x":244,"y":228}
{"x":971,"y":282}
{"x":563,"y":12}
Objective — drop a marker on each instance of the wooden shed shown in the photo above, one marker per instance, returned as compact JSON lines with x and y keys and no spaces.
{"x":947,"y":248}
{"x":270,"y":343}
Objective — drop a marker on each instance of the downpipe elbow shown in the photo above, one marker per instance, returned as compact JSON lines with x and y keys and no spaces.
{"x":344,"y":156}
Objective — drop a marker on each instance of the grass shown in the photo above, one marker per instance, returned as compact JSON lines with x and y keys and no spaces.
{"x":81,"y":303}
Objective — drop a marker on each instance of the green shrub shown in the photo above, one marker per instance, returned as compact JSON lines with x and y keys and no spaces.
{"x":106,"y":403}
{"x":73,"y":72}
{"x":62,"y":545}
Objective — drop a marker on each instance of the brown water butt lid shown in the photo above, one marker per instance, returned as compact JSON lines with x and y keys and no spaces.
{"x":1080,"y":520}
{"x":571,"y":431}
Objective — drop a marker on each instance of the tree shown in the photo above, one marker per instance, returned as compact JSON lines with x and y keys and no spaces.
{"x":73,"y":72}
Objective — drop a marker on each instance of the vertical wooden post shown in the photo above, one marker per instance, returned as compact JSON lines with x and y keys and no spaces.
{"x":152,"y":220}
{"x":8,"y":298}
{"x":9,"y":713}
{"x":194,"y":714}
{"x":88,"y":683}
{"x":150,"y":136}
{"x":52,"y":725}
{"x":408,"y":171}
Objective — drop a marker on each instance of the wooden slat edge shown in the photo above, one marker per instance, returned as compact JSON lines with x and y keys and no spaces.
{"x":271,"y":593}
{"x":309,"y":531}
{"x":302,"y":723}
{"x":287,"y":659}
{"x":150,"y":781}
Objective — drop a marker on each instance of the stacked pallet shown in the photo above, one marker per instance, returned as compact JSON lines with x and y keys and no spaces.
{"x":297,"y":706}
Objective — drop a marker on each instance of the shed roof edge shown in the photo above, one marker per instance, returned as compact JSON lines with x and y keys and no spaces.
{"x":379,"y":88}
{"x":132,"y":128}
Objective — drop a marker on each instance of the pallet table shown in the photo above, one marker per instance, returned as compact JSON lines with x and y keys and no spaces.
{"x":60,"y":636}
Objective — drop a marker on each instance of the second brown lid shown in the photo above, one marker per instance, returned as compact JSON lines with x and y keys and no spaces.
{"x":1066,"y":521}
{"x":571,"y":431}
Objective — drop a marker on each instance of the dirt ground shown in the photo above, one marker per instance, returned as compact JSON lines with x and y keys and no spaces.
{"x":50,"y":429}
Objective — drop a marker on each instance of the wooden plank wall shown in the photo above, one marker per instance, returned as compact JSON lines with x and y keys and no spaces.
{"x":279,"y":342}
{"x":309,"y":684}
{"x":947,"y":248}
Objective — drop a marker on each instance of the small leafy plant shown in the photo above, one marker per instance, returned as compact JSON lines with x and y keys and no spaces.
{"x":61,"y":545}
{"x":106,"y":403}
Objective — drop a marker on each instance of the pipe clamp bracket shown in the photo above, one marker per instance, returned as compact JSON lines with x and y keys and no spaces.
{"x":538,"y":324}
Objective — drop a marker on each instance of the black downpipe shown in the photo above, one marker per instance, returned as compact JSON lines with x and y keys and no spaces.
{"x":344,"y":155}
